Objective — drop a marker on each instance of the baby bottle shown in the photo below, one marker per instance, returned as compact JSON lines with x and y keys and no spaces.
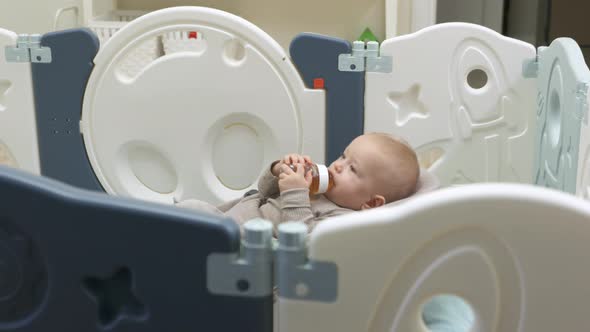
{"x":321,"y":179}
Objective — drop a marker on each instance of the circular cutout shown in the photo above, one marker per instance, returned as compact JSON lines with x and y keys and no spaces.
{"x":238,"y":154}
{"x":477,"y":79}
{"x":554,"y":118}
{"x":23,"y":276}
{"x":448,"y":313}
{"x":234,"y":52}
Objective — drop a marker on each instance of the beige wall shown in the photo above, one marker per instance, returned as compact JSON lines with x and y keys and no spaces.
{"x":281,"y":19}
{"x":285,"y":19}
{"x":37,"y":16}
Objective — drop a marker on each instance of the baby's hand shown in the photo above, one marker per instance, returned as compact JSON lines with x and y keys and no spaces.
{"x":290,"y":159}
{"x":289,"y":179}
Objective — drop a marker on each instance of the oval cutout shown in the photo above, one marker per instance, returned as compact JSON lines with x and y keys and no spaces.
{"x":151,"y":168}
{"x":554,"y":118}
{"x":238,"y":154}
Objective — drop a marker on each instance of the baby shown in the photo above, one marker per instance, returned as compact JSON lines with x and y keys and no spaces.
{"x":374,"y":169}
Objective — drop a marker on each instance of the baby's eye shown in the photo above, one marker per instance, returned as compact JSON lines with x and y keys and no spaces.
{"x":352,"y":169}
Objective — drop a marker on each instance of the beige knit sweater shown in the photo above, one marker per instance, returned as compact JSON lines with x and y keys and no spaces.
{"x":270,"y":204}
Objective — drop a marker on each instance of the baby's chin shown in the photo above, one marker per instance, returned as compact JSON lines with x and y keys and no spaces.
{"x":331,"y":197}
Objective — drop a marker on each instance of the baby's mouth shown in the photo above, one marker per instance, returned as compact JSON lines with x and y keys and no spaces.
{"x":331,"y":174}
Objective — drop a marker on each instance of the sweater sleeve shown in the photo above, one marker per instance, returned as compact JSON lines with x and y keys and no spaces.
{"x":295,"y":205}
{"x":268,"y":184}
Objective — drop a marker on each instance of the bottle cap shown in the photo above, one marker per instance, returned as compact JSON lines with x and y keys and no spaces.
{"x":324,"y":178}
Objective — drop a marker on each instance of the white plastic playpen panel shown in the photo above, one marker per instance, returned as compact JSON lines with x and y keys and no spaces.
{"x":18,"y":133}
{"x":513,"y":252}
{"x":561,"y":116}
{"x":201,"y":123}
{"x":583,"y":178}
{"x":457,"y":92}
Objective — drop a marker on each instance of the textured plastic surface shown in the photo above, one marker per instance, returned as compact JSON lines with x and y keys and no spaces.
{"x":83,"y":261}
{"x":18,"y":131}
{"x":583,"y":178}
{"x":461,"y":98}
{"x":484,"y":243}
{"x":196,"y":124}
{"x":316,"y":56}
{"x":562,"y":106}
{"x":59,"y":91}
{"x":105,"y":26}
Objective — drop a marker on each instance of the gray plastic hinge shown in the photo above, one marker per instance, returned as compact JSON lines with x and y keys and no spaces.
{"x":298,"y":278}
{"x":530,"y":68}
{"x":355,"y":61}
{"x":365,"y":59}
{"x":376,"y":63}
{"x":28,"y":49}
{"x":248,"y":274}
{"x":581,"y":111}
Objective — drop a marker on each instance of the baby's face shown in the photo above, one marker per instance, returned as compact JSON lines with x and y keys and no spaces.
{"x":355,"y":173}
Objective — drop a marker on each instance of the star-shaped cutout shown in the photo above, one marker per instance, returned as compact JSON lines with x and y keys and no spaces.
{"x":4,"y":86}
{"x":407,"y":105}
{"x":115,"y":298}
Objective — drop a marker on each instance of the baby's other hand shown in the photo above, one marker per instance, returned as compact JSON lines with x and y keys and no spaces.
{"x":289,"y":179}
{"x":290,"y":159}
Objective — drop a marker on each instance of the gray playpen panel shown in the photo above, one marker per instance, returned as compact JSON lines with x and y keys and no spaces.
{"x":75,"y":260}
{"x":59,"y":89}
{"x":316,"y":56}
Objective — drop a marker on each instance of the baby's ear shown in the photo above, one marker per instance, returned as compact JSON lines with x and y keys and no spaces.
{"x":375,"y":201}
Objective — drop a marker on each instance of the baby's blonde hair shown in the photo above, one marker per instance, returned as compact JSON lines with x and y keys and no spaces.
{"x":401,"y":178}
